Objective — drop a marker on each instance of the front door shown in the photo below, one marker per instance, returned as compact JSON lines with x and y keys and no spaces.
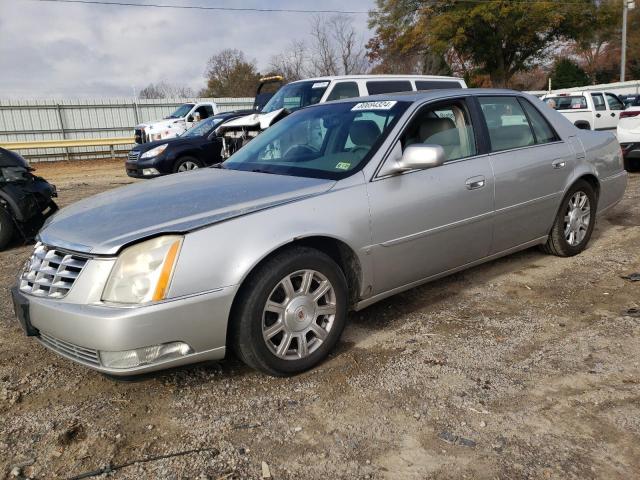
{"x":426,"y":222}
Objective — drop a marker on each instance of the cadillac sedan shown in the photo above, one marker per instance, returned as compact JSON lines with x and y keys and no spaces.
{"x":333,"y":208}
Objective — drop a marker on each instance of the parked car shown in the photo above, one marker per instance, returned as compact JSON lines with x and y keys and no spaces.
{"x":334,"y":208}
{"x":628,"y":133}
{"x":628,"y":100}
{"x":196,"y":148}
{"x":178,"y":122}
{"x":588,"y":110}
{"x":302,"y":93}
{"x":26,"y":200}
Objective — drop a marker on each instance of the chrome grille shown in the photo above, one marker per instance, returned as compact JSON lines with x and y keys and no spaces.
{"x":81,"y":354}
{"x":50,"y":272}
{"x":134,"y":155}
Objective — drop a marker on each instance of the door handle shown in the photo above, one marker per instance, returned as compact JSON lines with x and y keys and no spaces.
{"x":598,"y":115}
{"x":474,"y":183}
{"x":613,"y":114}
{"x":559,"y":164}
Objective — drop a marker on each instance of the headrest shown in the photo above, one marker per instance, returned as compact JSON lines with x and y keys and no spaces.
{"x":364,"y":132}
{"x":431,"y":126}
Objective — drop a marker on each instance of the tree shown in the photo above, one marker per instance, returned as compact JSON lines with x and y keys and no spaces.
{"x":229,"y":74}
{"x":567,"y":74}
{"x":165,"y":90}
{"x":498,"y":38}
{"x":291,"y":64}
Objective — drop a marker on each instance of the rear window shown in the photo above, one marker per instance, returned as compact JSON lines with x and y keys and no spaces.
{"x":577,"y":102}
{"x":436,"y":84}
{"x":388,"y":86}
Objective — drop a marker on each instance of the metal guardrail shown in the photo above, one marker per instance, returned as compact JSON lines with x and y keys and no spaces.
{"x":68,"y":143}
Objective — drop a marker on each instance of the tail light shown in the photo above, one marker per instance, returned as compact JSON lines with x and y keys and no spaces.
{"x":631,"y":113}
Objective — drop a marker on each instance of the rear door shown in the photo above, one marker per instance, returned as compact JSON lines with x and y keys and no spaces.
{"x":614,"y":107}
{"x":602,"y":119}
{"x":531,"y":164}
{"x":426,"y":222}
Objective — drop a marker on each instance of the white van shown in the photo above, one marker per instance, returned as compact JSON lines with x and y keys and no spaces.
{"x":303,"y":93}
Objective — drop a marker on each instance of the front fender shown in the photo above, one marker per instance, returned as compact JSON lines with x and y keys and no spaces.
{"x":224,"y":254}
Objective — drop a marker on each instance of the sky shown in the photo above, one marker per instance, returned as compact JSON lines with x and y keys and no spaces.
{"x":50,"y":50}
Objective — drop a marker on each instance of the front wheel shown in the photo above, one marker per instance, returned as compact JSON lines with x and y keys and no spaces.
{"x":6,"y":228}
{"x":186,"y":164}
{"x":290,"y":313}
{"x":574,"y":223}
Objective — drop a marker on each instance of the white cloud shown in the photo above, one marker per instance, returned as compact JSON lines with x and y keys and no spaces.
{"x":71,"y":50}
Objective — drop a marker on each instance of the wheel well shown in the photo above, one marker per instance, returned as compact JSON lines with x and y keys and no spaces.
{"x":593,"y":181}
{"x":338,"y":251}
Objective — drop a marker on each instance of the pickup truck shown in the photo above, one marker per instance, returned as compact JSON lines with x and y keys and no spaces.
{"x":178,"y":122}
{"x":588,"y":110}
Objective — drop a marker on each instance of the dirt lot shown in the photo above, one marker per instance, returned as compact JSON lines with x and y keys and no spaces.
{"x":527,"y":367}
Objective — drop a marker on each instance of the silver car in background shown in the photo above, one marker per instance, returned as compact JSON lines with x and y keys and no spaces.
{"x":333,"y":208}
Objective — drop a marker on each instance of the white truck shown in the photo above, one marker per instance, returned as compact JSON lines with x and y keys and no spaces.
{"x":589,"y":110}
{"x":179,"y":121}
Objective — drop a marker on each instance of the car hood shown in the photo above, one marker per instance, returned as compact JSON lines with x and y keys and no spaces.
{"x":173,"y":204}
{"x":261,"y":120}
{"x":145,"y":147}
{"x":160,"y":124}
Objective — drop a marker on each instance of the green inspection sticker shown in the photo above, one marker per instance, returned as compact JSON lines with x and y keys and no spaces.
{"x":343,"y":166}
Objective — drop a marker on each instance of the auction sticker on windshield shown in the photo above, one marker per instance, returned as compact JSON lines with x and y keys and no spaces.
{"x":319,"y":84}
{"x":383,"y":105}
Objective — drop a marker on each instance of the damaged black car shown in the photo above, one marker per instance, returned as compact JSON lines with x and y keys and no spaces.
{"x":26,"y":200}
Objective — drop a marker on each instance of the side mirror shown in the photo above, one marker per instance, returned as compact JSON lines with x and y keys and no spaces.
{"x":415,"y":157}
{"x":190,"y":118}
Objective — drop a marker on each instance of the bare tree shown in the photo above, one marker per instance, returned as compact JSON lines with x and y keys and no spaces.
{"x":292,"y":64}
{"x":336,"y":48}
{"x":323,"y":59}
{"x":350,"y":49}
{"x":165,"y":90}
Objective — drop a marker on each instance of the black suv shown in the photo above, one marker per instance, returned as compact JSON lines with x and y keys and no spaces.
{"x":196,"y":148}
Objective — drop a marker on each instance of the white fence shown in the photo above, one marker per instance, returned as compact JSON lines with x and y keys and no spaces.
{"x":32,"y":120}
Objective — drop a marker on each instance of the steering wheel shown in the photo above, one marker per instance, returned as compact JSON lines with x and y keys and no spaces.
{"x":298,"y":150}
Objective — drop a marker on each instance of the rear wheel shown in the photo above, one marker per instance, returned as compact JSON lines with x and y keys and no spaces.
{"x":574,"y":223}
{"x":186,"y":164}
{"x":6,"y":228}
{"x":290,"y":313}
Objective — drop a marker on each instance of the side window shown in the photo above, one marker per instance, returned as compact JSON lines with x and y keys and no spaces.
{"x":598,"y":101}
{"x":614,"y":102}
{"x":203,"y":111}
{"x":344,"y":90}
{"x":448,"y":125}
{"x":436,"y":84}
{"x":388,"y":86}
{"x":542,"y":130}
{"x":507,"y":123}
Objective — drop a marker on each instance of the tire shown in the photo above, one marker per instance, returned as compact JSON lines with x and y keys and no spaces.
{"x":257,"y":332}
{"x":7,"y":228}
{"x":185,"y":164}
{"x":560,"y":241}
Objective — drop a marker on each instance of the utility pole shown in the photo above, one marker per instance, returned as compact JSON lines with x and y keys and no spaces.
{"x":626,"y":5}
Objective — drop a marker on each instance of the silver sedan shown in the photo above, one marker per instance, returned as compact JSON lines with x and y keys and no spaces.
{"x":331,"y":209}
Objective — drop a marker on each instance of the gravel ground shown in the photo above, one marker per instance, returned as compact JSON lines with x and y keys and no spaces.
{"x":526,"y":367}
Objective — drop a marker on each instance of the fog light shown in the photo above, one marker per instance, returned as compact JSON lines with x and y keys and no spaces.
{"x":147,"y":172}
{"x":145,"y":355}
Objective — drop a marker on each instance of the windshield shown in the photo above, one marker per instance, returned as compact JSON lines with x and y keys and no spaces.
{"x":296,"y":95}
{"x":329,"y":141}
{"x":577,"y":102}
{"x":181,"y":111}
{"x":203,"y":128}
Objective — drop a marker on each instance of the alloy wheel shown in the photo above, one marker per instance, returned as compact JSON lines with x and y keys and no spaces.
{"x":188,"y":165}
{"x":299,"y":314}
{"x":577,"y":218}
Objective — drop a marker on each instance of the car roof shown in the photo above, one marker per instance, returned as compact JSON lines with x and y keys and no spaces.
{"x":329,"y":78}
{"x":423,"y":95}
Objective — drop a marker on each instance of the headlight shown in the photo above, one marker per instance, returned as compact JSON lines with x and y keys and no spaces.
{"x":143,"y":272}
{"x":154,"y":152}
